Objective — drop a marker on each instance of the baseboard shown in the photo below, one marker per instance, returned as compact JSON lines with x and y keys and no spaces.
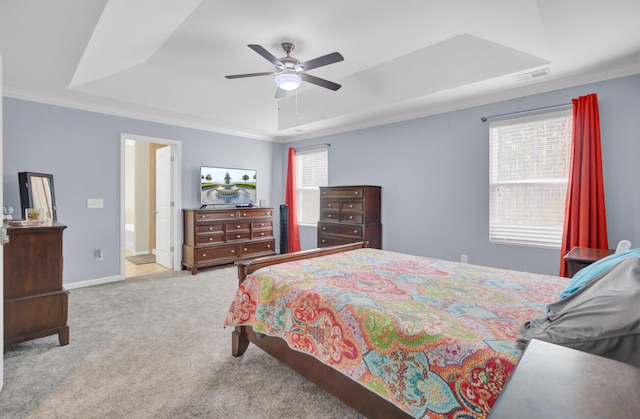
{"x":91,"y":282}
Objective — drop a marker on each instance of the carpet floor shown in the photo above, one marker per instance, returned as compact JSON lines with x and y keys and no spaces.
{"x":154,"y":347}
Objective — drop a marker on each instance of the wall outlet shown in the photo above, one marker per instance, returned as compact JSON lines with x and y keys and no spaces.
{"x":464,"y":259}
{"x":98,"y":254}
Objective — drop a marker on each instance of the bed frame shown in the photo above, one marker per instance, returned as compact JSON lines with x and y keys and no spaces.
{"x":339,"y":385}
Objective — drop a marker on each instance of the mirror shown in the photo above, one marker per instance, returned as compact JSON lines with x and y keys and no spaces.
{"x":36,"y":191}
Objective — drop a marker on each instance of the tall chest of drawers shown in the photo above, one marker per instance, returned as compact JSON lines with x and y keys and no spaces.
{"x":350,"y":214}
{"x":218,"y":237}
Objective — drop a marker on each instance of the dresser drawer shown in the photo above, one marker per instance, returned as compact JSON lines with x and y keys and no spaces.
{"x":247,"y":249}
{"x":213,"y":238}
{"x":233,"y":227}
{"x":333,"y":192}
{"x":218,"y":252}
{"x":325,"y":241}
{"x":351,"y":218}
{"x":329,"y":215}
{"x":261,"y":234}
{"x":256,"y":225}
{"x":215,"y":215}
{"x":209,"y":228}
{"x":341,"y":229}
{"x":255,"y":213}
{"x":355,"y":206}
{"x":330,"y":204}
{"x":238,"y":235}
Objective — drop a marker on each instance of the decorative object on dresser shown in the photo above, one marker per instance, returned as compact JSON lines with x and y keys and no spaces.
{"x":35,"y":302}
{"x":218,"y":237}
{"x":349,"y":214}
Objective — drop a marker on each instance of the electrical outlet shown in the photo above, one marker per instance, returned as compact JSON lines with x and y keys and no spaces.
{"x":98,"y":254}
{"x":464,"y":259}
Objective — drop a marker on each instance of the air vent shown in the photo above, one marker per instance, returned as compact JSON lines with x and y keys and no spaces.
{"x":531,"y":75}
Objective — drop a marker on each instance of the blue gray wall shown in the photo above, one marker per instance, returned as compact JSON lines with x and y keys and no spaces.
{"x":433,"y":170}
{"x":82,"y":150}
{"x":434,"y":173}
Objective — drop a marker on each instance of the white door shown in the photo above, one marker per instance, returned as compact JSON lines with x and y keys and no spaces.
{"x":163,"y":206}
{"x":1,"y":262}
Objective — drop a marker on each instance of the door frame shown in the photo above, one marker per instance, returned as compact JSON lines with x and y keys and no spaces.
{"x":176,"y":196}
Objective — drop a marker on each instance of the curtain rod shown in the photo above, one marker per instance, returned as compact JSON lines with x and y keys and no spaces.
{"x":309,"y":147}
{"x":562,"y":105}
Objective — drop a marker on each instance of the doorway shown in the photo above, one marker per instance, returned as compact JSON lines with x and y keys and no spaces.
{"x":149,"y":228}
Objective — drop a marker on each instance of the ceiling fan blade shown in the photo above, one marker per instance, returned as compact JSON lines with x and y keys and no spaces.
{"x":334,"y":57}
{"x":239,"y":76}
{"x":266,"y":54}
{"x":321,"y":82}
{"x":280,"y":93}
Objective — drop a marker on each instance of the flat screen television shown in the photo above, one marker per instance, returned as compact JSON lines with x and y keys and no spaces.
{"x":227,"y":186}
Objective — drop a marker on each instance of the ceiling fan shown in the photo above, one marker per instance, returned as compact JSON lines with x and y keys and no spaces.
{"x":290,"y":72}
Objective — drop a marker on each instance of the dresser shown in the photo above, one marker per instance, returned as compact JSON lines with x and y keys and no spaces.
{"x":35,"y":302}
{"x":220,"y":236}
{"x":350,"y":214}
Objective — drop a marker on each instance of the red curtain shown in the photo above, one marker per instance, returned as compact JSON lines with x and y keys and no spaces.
{"x":293,"y":239}
{"x":585,"y":218}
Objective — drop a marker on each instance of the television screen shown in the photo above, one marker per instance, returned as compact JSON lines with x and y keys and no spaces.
{"x":225,"y":186}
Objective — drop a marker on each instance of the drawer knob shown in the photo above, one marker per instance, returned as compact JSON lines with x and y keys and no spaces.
{"x":202,"y":216}
{"x":261,"y":224}
{"x":238,"y":236}
{"x":262,"y":234}
{"x":357,"y":192}
{"x":232,"y":215}
{"x":210,"y":228}
{"x":329,"y":216}
{"x":233,"y":251}
{"x":268,"y":246}
{"x":244,"y":214}
{"x":355,"y":231}
{"x":324,"y":228}
{"x":204,"y":255}
{"x":268,"y":213}
{"x":351,"y":217}
{"x":245,"y":249}
{"x":323,"y":240}
{"x":324,"y":192}
{"x":210,"y":239}
{"x":351,"y":206}
{"x":330,"y":205}
{"x":237,"y":226}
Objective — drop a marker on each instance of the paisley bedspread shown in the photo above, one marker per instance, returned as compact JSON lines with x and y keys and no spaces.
{"x":436,"y":338}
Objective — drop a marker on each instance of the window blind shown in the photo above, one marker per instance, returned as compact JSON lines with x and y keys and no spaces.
{"x":529,"y":167}
{"x":311,"y":173}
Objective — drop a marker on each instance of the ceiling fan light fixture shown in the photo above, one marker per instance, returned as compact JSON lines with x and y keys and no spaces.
{"x":288,"y":81}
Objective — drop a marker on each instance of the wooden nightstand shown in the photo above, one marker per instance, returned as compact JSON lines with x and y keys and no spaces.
{"x":579,"y":257}
{"x":553,"y":381}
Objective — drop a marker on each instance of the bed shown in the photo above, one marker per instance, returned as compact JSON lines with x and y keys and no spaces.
{"x":389,"y":334}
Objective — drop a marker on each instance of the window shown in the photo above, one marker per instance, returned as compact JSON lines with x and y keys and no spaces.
{"x":311,"y":172}
{"x":529,"y":168}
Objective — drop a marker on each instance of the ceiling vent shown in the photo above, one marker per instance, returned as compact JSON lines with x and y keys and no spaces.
{"x":531,"y":75}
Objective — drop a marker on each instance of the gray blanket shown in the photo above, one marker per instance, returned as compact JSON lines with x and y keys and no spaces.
{"x":602,"y":317}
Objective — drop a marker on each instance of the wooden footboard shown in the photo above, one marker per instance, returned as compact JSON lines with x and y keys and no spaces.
{"x":339,"y":385}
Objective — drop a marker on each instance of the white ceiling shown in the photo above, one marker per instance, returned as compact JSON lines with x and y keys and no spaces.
{"x":165,"y":60}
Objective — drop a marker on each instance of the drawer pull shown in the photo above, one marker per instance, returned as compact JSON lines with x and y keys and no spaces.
{"x":204,"y":255}
{"x":238,"y":236}
{"x":323,"y":240}
{"x":202,"y":216}
{"x":245,"y":249}
{"x":329,"y":216}
{"x":244,"y":214}
{"x":261,"y":224}
{"x":324,"y":192}
{"x":268,"y":213}
{"x":262,"y":234}
{"x":324,"y":228}
{"x":351,"y":217}
{"x":356,"y":192}
{"x":268,"y":246}
{"x":232,"y":215}
{"x":351,"y":206}
{"x":330,"y":205}
{"x":210,"y":239}
{"x":237,"y":226}
{"x":355,"y":231}
{"x":210,"y":228}
{"x":233,"y":251}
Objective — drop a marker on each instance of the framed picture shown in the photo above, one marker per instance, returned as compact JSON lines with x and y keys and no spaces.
{"x":33,"y":214}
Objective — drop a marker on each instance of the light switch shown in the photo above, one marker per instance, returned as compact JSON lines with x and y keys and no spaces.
{"x":94,"y":203}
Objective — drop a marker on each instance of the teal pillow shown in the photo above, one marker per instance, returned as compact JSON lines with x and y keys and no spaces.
{"x":586,"y":274}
